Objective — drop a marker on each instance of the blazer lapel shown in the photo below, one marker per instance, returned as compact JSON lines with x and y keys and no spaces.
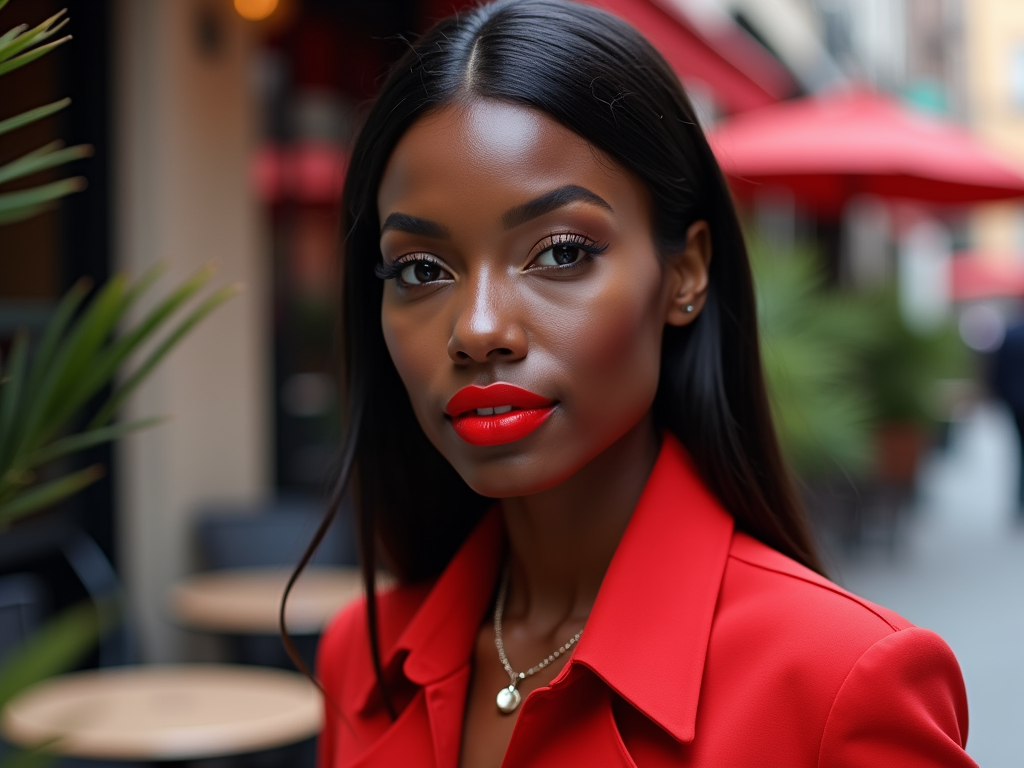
{"x":408,"y":742}
{"x":648,"y":632}
{"x":573,"y":720}
{"x":446,"y":707}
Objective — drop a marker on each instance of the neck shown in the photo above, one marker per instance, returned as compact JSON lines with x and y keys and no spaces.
{"x":562,"y":540}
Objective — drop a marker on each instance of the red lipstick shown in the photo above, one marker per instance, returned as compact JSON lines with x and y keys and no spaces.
{"x":497,"y":414}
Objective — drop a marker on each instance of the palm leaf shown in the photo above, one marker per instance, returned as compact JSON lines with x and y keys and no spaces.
{"x":11,"y":33}
{"x":55,"y":328}
{"x":58,"y":645}
{"x":10,"y":393}
{"x":41,"y":363}
{"x":46,"y":157}
{"x":31,"y":116}
{"x":15,"y":206}
{"x":27,"y":58}
{"x":88,"y":334}
{"x":116,"y":354}
{"x":39,"y":497}
{"x":37,"y":34}
{"x":194,"y":318}
{"x":37,"y":758}
{"x":88,"y":439}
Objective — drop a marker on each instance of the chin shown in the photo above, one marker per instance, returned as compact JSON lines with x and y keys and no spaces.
{"x":504,"y":486}
{"x":508,"y":476}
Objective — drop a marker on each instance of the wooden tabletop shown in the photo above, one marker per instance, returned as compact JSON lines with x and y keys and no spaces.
{"x":247,"y":601}
{"x":175,"y":712}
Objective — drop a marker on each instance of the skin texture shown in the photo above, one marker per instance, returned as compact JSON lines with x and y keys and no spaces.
{"x":479,"y":298}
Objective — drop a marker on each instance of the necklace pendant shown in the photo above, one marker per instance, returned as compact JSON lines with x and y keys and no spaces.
{"x":508,"y":700}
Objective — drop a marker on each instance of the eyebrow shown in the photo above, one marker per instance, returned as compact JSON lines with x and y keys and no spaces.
{"x":550,"y":201}
{"x":512,"y":218}
{"x":414,"y":225}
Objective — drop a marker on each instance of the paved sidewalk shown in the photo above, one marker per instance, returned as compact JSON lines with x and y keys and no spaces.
{"x":959,"y":570}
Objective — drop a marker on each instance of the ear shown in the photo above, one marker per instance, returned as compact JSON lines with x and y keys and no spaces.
{"x":686,"y":276}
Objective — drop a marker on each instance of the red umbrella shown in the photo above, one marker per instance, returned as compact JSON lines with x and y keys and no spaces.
{"x":979,"y":276}
{"x":827,"y":149}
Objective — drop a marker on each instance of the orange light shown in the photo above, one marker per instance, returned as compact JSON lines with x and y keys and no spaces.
{"x":255,"y":10}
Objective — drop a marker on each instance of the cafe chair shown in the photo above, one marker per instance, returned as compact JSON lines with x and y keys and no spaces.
{"x":271,"y":535}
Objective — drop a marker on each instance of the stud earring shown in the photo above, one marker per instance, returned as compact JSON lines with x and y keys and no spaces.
{"x":689,"y":308}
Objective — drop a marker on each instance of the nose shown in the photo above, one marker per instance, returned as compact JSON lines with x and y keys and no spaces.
{"x":486,"y":328}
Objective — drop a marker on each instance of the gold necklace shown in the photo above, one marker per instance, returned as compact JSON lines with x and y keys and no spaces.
{"x":508,"y":698}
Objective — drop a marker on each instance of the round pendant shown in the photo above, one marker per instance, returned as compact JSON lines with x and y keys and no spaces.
{"x":508,"y":699}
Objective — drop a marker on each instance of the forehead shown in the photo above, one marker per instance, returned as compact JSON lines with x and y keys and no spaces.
{"x":488,"y":155}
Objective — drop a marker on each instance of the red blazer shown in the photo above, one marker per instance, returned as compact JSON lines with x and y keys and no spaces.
{"x":704,"y":648}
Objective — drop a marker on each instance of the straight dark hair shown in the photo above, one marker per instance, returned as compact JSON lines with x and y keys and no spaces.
{"x":596,"y":75}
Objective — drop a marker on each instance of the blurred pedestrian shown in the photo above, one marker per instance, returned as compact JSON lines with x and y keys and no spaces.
{"x":1008,"y":383}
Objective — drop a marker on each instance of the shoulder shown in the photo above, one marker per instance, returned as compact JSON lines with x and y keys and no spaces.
{"x":873,"y":684}
{"x":790,"y":623}
{"x":756,"y":572}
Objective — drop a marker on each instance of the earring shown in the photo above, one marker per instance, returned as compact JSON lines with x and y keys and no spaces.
{"x":689,"y":308}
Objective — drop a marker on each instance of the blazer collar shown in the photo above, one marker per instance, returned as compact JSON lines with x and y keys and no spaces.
{"x":662,"y":584}
{"x":441,"y":635}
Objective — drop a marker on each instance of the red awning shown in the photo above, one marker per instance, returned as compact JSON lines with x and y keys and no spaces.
{"x":739,"y":73}
{"x":980,"y":276}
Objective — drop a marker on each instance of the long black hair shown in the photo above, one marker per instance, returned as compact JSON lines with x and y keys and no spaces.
{"x":596,"y":75}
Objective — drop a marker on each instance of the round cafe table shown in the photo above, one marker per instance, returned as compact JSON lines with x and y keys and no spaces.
{"x":246,"y":601}
{"x":164,"y":713}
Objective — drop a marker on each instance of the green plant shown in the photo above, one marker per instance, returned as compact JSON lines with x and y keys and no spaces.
{"x":76,"y":360}
{"x":903,"y":366}
{"x":62,"y":394}
{"x":841,"y":367}
{"x":812,"y":342}
{"x":18,"y":47}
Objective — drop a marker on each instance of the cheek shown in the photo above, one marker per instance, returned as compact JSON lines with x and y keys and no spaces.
{"x":413,"y":356}
{"x":616,"y":352}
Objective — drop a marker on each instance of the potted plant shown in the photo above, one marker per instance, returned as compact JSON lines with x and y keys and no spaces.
{"x":60,"y":394}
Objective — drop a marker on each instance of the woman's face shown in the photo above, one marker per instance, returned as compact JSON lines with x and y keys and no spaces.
{"x":519,"y":254}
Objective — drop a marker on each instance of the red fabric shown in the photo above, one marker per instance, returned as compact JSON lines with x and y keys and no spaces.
{"x":704,"y":648}
{"x":829,"y":148}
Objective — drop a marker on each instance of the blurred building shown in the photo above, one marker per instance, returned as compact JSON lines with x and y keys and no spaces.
{"x":994,"y":41}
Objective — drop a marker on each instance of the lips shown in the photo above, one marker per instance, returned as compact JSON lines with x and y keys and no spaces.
{"x":497,"y":414}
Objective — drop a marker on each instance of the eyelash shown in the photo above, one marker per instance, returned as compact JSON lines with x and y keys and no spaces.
{"x":589,"y":247}
{"x":394,"y":269}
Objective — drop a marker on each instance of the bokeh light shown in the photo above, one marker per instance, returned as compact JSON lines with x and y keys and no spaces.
{"x":255,"y":10}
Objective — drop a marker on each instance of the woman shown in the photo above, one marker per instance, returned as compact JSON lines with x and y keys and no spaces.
{"x":560,"y":444}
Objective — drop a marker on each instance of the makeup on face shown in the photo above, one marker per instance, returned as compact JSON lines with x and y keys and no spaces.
{"x":497,"y":414}
{"x":524,"y":300}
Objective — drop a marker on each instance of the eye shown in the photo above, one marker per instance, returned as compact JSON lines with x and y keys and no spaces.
{"x":560,"y":255}
{"x":421,"y":271}
{"x":567,"y":250}
{"x":413,"y":270}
